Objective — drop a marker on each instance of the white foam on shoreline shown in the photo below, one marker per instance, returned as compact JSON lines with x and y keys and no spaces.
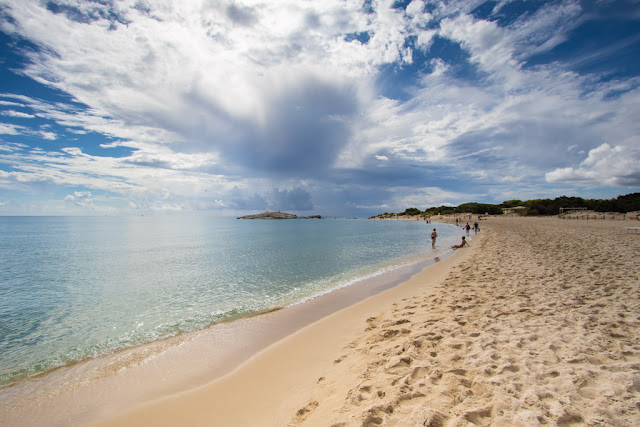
{"x":413,"y":263}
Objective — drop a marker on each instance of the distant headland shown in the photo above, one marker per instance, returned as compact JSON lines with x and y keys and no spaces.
{"x":278,"y":215}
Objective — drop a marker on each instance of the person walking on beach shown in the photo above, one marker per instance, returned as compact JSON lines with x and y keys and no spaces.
{"x":461,"y":245}
{"x":434,"y":236}
{"x":476,"y":227}
{"x":467,"y":227}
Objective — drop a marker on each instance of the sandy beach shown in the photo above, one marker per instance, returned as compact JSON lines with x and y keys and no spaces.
{"x":536,"y":323}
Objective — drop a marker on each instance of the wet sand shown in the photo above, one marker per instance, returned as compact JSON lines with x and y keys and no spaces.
{"x":274,"y":384}
{"x":106,"y":386}
{"x":538,"y":322}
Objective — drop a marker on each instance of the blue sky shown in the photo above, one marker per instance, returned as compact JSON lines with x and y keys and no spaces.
{"x":326,"y":107}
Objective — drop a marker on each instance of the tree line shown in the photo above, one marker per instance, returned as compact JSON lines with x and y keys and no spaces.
{"x":622,"y":204}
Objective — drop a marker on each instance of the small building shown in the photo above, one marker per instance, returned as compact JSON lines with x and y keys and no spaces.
{"x":519,"y":210}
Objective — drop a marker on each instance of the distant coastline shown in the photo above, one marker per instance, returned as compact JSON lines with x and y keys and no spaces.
{"x":277,"y":215}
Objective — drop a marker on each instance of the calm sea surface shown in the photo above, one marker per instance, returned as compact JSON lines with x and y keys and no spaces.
{"x":73,"y":288}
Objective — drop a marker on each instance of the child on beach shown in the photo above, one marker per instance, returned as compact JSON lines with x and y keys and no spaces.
{"x":461,"y":245}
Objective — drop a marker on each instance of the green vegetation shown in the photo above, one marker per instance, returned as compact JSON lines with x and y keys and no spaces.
{"x":411,"y":211}
{"x":622,"y":204}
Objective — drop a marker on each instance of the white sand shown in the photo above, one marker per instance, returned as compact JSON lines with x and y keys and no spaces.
{"x":539,"y":326}
{"x":276,"y":383}
{"x":536,"y":323}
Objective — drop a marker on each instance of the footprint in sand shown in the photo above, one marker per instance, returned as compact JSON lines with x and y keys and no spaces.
{"x":303,"y":412}
{"x":365,"y":392}
{"x":340,"y":359}
{"x":418,"y":373}
{"x":479,"y":417}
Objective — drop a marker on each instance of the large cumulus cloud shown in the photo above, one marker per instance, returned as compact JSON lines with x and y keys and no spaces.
{"x":240,"y":104}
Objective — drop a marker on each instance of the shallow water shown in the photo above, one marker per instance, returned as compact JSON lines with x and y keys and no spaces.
{"x":73,"y":288}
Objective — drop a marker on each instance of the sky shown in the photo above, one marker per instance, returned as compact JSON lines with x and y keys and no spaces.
{"x":330,"y":107}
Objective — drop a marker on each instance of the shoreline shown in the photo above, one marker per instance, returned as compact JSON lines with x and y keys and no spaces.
{"x":201,"y":292}
{"x":281,"y":373}
{"x":534,"y":324}
{"x":109,"y":384}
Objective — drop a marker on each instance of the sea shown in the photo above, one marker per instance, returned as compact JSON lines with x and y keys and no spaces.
{"x":78,"y":288}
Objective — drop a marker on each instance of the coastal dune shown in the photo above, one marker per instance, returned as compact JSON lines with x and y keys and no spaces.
{"x":538,"y":322}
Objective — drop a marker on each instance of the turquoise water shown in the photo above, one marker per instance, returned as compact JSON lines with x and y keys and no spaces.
{"x":73,"y":288}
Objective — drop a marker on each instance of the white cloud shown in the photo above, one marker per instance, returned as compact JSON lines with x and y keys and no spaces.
{"x":10,"y":103}
{"x":226,"y":66}
{"x":150,"y":173}
{"x":150,"y":100}
{"x":11,"y":147}
{"x":425,"y":197}
{"x":8,"y":129}
{"x":74,"y":151}
{"x":200,"y":97}
{"x":606,"y":164}
{"x":547,"y":28}
{"x":18,"y":114}
{"x":51,"y":136}
{"x":80,"y":198}
{"x":163,"y":156}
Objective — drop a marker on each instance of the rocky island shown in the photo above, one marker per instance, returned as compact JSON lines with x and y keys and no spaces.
{"x":277,"y":215}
